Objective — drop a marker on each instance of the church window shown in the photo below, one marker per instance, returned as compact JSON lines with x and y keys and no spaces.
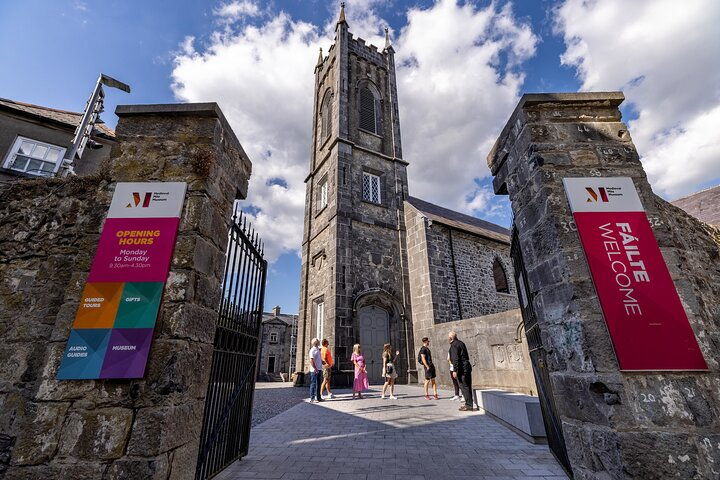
{"x":322,"y":195}
{"x":371,"y":188}
{"x":273,"y":337}
{"x":319,"y":319}
{"x":34,"y":157}
{"x":367,"y":110}
{"x":325,"y":118}
{"x":501,"y":283}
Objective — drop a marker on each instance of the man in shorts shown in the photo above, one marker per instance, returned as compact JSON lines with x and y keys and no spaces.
{"x":327,"y":362}
{"x":425,"y":358}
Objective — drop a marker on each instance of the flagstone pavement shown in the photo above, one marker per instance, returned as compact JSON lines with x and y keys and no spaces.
{"x":405,"y":439}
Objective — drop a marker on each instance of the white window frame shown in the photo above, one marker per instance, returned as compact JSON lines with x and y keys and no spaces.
{"x":14,"y":151}
{"x":371,"y":179}
{"x":319,"y":318}
{"x":323,"y":194}
{"x":273,"y":337}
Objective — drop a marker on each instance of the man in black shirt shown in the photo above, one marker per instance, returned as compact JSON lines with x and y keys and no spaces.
{"x":461,"y":369}
{"x":425,"y":358}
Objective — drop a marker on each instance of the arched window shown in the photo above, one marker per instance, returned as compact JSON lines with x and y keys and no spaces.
{"x":501,"y":283}
{"x":325,"y":117}
{"x":367,"y":110}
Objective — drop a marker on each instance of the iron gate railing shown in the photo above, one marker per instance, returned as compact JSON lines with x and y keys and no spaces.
{"x":228,"y":404}
{"x":538,"y":357}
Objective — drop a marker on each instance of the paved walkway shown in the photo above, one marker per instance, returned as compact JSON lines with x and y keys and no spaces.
{"x":408,"y":438}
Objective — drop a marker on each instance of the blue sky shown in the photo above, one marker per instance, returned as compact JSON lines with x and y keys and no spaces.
{"x":462,"y":67}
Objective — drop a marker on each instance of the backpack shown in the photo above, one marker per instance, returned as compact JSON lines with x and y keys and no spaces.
{"x":419,"y":359}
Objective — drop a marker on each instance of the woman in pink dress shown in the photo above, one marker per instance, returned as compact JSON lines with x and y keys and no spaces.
{"x":361,"y":379}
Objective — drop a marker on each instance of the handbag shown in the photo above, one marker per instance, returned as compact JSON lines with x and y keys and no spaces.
{"x":389,"y":368}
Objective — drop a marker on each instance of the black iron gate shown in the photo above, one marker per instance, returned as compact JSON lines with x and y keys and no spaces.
{"x":553,"y":428}
{"x":228,"y":404}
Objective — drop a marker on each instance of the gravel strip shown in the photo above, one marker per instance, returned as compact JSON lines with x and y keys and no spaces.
{"x":273,"y":398}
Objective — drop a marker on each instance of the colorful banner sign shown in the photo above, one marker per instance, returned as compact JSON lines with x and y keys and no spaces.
{"x":646,"y":320}
{"x":114,"y":324}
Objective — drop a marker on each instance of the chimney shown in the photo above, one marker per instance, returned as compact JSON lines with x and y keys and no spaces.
{"x":276,"y":311}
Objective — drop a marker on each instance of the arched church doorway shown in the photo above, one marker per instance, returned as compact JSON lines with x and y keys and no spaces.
{"x":374,"y":332}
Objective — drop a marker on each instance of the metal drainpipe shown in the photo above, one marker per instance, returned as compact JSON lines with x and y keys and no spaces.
{"x":457,"y":287}
{"x":309,"y":232}
{"x":399,"y":231}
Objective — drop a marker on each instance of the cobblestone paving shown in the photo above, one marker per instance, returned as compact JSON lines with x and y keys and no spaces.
{"x":273,"y":398}
{"x":405,"y":439}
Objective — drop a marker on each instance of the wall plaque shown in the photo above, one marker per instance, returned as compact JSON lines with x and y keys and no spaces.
{"x":645,"y":318}
{"x":114,"y":324}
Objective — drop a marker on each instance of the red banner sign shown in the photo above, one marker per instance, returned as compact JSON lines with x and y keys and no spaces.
{"x":646,"y":320}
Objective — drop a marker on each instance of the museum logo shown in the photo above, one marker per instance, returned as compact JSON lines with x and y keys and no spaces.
{"x":600,"y":195}
{"x":136,"y":200}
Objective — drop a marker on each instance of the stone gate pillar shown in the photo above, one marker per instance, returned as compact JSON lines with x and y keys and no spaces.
{"x":145,"y":428}
{"x":616,"y":424}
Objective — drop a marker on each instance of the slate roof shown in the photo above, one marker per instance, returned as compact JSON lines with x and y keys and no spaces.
{"x":285,"y":318}
{"x":60,"y":117}
{"x":461,"y":221}
{"x":703,"y":205}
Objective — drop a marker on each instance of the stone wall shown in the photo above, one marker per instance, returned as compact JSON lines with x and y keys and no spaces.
{"x":498,"y":351}
{"x":452,"y":288}
{"x":49,"y":229}
{"x":650,"y":425}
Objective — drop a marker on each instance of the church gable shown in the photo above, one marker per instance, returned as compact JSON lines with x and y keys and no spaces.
{"x":459,"y":265}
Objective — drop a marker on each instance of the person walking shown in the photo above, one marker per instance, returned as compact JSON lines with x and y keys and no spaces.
{"x":315,"y":371}
{"x":360,"y":384}
{"x":460,"y":359}
{"x":455,"y":383}
{"x":425,"y":358}
{"x":389,"y":371}
{"x":327,"y":363}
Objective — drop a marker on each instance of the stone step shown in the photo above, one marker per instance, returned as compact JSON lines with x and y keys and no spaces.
{"x":519,"y":412}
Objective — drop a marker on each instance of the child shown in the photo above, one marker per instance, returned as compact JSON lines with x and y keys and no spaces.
{"x":361,"y":379}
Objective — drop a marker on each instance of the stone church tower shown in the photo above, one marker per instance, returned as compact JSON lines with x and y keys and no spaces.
{"x":354,"y":286}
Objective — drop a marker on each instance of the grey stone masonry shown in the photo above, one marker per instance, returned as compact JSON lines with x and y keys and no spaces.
{"x":353,"y":251}
{"x":452,"y":288}
{"x":49,"y":230}
{"x":617,"y":425}
{"x":703,"y":205}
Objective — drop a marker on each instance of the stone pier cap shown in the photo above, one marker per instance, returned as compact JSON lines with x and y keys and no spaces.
{"x":163,"y":129}
{"x":605,"y":103}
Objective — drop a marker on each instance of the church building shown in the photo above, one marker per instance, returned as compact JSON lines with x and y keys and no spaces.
{"x":379,"y":266}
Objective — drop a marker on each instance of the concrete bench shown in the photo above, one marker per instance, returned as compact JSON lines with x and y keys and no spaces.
{"x":521,"y":413}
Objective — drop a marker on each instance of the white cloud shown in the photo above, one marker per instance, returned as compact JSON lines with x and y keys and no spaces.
{"x":236,"y":10}
{"x":457,"y":86}
{"x":262,"y":78}
{"x":458,"y":82}
{"x":663,"y":55}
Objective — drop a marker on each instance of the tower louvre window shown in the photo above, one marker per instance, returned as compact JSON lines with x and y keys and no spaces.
{"x":371,"y":188}
{"x":325,"y":114}
{"x":367,"y":110}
